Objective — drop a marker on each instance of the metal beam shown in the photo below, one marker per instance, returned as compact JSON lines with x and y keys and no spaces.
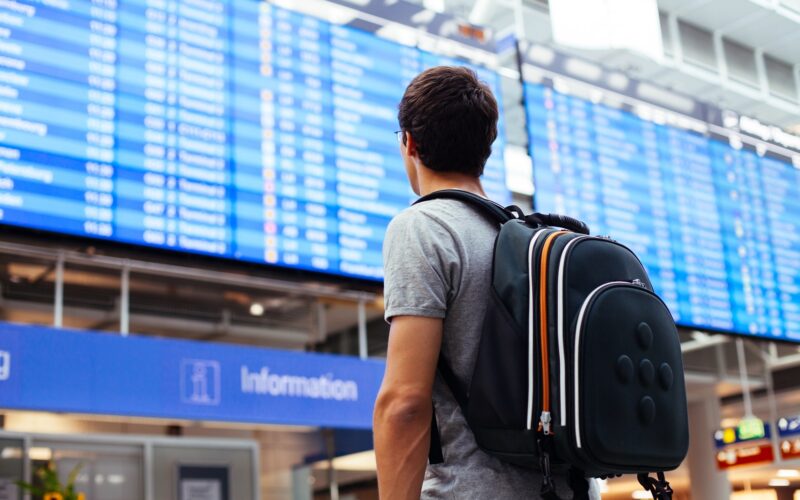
{"x":198,"y":328}
{"x":785,"y":362}
{"x":748,"y":403}
{"x":190,"y":273}
{"x":703,"y":343}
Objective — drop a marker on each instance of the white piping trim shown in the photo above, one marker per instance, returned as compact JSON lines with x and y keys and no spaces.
{"x":530,"y":328}
{"x":578,"y":328}
{"x":562,"y":370}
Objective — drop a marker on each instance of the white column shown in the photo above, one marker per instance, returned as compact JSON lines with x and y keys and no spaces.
{"x":706,"y":480}
{"x":362,"y":330}
{"x":124,"y":301}
{"x":58,"y":306}
{"x":301,"y":483}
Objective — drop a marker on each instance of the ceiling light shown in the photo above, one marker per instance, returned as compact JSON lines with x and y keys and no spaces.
{"x":778,"y":482}
{"x":583,"y":69}
{"x":256,"y":309}
{"x":44,"y":454}
{"x":336,"y":14}
{"x":661,"y":96}
{"x":541,"y":54}
{"x":399,"y":33}
{"x":434,"y":5}
{"x":789,"y":473}
{"x":424,"y":16}
{"x":9,"y":453}
{"x":508,"y":73}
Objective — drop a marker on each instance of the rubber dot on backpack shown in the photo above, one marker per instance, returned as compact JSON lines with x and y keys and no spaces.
{"x":647,"y":372}
{"x":644,"y":335}
{"x":624,"y":369}
{"x":665,"y":376}
{"x":647,"y":410}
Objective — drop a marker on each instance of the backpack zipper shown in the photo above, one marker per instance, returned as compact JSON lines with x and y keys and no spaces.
{"x":562,"y":370}
{"x":578,"y":330}
{"x":562,"y":373}
{"x":531,"y":315}
{"x":545,"y":419}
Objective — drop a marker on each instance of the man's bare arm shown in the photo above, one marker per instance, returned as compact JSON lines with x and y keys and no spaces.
{"x":402,"y":418}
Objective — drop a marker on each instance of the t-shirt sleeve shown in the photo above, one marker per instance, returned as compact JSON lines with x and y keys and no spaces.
{"x":421,"y":266}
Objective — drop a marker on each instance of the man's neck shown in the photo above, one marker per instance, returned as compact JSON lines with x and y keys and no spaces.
{"x":436,"y":181}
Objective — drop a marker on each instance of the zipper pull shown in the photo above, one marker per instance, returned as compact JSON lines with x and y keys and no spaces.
{"x":638,"y":283}
{"x":544,"y":423}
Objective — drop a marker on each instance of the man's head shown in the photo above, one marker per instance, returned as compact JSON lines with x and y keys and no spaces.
{"x":449,"y":121}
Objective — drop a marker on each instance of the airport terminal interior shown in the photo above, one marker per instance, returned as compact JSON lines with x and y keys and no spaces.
{"x":194,"y":195}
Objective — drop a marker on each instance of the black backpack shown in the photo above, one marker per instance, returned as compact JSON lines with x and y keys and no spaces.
{"x":579,"y":364}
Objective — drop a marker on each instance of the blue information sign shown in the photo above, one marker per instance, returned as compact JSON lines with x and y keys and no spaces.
{"x":90,"y":372}
{"x":233,"y":129}
{"x":789,"y":426}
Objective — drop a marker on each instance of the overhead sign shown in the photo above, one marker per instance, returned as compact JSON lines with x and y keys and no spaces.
{"x":790,"y":448}
{"x":789,"y":426}
{"x":747,"y":430}
{"x":733,"y":456}
{"x":746,"y":444}
{"x":789,"y":432}
{"x":90,"y":372}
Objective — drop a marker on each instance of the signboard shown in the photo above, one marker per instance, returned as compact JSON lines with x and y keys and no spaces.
{"x":746,"y":444}
{"x":639,"y":163}
{"x":747,"y":430}
{"x":790,"y":448}
{"x":733,"y":456}
{"x":240,"y":130}
{"x":64,"y":370}
{"x":200,"y":482}
{"x":789,"y":432}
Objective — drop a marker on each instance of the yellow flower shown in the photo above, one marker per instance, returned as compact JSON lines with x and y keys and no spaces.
{"x":53,"y":496}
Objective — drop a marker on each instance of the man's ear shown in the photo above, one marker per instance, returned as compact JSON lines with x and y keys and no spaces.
{"x":411,"y":146}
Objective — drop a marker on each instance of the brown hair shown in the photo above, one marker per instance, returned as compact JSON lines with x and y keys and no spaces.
{"x":452,"y":117}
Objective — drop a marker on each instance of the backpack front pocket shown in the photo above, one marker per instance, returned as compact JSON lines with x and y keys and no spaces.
{"x":628,"y":408}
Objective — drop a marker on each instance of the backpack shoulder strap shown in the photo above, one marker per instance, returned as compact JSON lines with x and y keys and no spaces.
{"x":435,"y":454}
{"x":491,"y":209}
{"x":500,"y":215}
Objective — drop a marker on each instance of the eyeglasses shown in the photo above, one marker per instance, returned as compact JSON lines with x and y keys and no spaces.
{"x":400,"y":136}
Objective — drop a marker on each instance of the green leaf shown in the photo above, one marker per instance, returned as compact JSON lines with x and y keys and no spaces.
{"x":35,"y":490}
{"x":74,"y":475}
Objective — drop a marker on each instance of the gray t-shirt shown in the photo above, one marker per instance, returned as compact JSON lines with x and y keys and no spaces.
{"x":438,"y":257}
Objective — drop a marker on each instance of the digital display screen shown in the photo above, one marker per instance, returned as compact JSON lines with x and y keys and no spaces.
{"x":716,"y":224}
{"x":234,"y":129}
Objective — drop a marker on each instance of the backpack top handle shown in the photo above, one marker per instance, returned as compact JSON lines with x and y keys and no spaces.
{"x":502,"y":215}
{"x":564,"y":221}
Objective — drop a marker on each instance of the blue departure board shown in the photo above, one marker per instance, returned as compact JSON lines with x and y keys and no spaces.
{"x":234,"y":129}
{"x":716,"y":224}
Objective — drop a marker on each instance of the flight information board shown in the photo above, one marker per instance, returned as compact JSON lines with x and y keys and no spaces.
{"x":235,"y":129}
{"x":716,"y":224}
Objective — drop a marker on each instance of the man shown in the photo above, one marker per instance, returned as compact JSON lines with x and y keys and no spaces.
{"x":438,"y":258}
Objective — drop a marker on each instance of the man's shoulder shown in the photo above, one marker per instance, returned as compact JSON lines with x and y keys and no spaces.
{"x":444,"y":213}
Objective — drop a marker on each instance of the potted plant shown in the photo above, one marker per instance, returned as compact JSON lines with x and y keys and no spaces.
{"x":50,"y":487}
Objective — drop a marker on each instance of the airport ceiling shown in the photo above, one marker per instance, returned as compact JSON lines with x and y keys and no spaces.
{"x":771,"y":27}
